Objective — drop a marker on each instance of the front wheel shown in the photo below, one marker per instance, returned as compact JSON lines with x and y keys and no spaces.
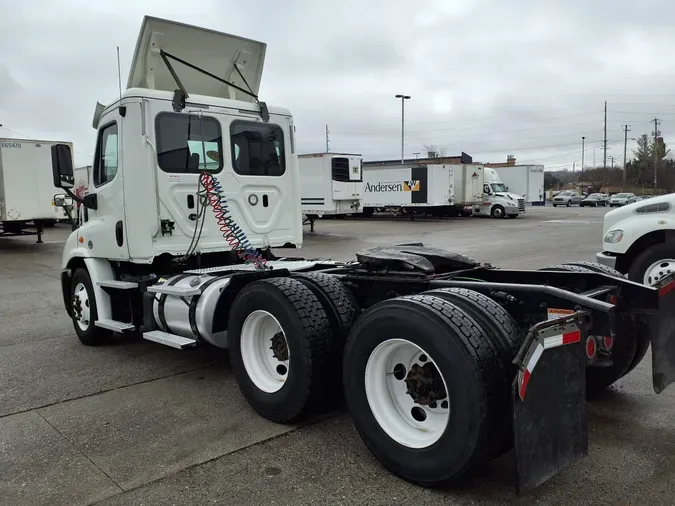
{"x":425,"y":388}
{"x":653,"y":264}
{"x":569,"y":203}
{"x":84,"y":310}
{"x":497,"y":212}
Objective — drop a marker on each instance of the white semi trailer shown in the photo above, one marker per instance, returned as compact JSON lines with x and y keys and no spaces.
{"x":330,"y":185}
{"x":26,"y":188}
{"x":445,"y":363}
{"x":526,"y":181}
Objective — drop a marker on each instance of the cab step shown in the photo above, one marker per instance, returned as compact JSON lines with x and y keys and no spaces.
{"x":178,"y":291}
{"x":114,"y":325}
{"x":172,"y":340}
{"x":120,"y":285}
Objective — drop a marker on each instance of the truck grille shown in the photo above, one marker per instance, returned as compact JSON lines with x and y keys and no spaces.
{"x":521,"y":205}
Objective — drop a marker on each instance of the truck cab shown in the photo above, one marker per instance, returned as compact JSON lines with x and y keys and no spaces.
{"x":497,"y":201}
{"x":638,"y":239}
{"x":164,"y":138}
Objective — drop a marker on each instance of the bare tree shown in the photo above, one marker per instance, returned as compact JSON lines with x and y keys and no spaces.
{"x":434,"y":151}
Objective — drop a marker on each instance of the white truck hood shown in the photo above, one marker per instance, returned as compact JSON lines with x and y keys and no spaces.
{"x":627,"y":211}
{"x":215,"y":52}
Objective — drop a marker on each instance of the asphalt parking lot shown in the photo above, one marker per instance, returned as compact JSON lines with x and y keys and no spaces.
{"x":138,"y":423}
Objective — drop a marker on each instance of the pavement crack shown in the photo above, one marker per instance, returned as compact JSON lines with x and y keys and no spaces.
{"x":93,"y":394}
{"x":78,"y":450}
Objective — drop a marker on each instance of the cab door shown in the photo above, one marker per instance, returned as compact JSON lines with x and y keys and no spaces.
{"x":103,"y":230}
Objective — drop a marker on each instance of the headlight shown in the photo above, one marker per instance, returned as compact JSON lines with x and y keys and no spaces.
{"x":511,"y":204}
{"x":614,"y":236}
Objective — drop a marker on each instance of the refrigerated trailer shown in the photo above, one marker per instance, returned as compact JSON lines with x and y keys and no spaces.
{"x":527,"y":181}
{"x":419,"y":189}
{"x":26,"y":188}
{"x":445,"y":363}
{"x":330,"y":185}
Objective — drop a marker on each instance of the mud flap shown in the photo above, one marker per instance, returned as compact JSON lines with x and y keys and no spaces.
{"x":550,"y":426}
{"x":663,"y":339}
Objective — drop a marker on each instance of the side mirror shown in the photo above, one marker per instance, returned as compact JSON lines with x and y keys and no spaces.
{"x":63,"y":201}
{"x":62,"y":166}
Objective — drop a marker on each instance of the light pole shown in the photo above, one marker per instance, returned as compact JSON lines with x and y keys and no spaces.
{"x":583,"y":149}
{"x":403,"y":99}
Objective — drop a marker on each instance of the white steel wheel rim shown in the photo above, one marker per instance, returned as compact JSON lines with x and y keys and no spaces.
{"x":267,"y":368}
{"x":393,"y":408}
{"x":658,"y":270}
{"x":81,"y":306}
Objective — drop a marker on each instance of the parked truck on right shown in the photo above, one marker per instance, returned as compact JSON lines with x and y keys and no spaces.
{"x":639,"y":239}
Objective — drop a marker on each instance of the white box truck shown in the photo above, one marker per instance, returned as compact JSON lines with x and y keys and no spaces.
{"x":26,"y":187}
{"x":330,"y":185}
{"x":420,"y":189}
{"x":524,"y":180}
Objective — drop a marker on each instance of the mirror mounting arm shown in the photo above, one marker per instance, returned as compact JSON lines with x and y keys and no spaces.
{"x":90,"y":201}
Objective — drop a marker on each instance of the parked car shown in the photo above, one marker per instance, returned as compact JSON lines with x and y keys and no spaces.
{"x":634,"y":199}
{"x":620,"y":199}
{"x":567,"y":198}
{"x":594,"y":200}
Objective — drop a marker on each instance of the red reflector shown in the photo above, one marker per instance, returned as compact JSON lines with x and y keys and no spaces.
{"x":665,"y":290}
{"x":523,"y":385}
{"x":572,"y":337}
{"x":608,"y":342}
{"x":590,"y":347}
{"x":612,"y":299}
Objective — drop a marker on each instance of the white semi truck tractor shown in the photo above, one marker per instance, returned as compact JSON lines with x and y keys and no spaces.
{"x":445,"y":363}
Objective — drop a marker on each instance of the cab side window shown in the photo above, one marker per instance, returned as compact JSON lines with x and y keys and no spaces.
{"x":105,"y":165}
{"x":257,"y":149}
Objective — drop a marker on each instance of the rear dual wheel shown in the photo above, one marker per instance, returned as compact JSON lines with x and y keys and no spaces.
{"x":427,"y":386}
{"x":285,"y":337}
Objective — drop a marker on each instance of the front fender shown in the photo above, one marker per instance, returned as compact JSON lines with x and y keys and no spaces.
{"x":635,"y":227}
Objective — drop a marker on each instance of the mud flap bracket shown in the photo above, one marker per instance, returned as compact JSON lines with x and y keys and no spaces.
{"x":550,"y":426}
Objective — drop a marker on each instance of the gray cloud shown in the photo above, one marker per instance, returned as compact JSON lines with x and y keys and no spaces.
{"x":486,"y":77}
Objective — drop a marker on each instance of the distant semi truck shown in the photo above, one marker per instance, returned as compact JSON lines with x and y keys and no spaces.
{"x":26,"y":187}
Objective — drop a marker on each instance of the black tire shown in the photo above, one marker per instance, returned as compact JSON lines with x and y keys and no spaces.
{"x":555,"y":205}
{"x":342,"y":310}
{"x":497,"y":212}
{"x":569,"y":203}
{"x":504,"y":334}
{"x":336,"y":299}
{"x":623,"y":352}
{"x":499,"y":325}
{"x":472,"y":372}
{"x":309,"y":339}
{"x":652,"y":254}
{"x":92,"y":335}
{"x":596,"y":267}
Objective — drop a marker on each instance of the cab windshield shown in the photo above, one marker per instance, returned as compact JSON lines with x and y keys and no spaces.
{"x":498,"y":187}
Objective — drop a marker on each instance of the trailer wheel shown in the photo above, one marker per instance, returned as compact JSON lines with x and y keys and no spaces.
{"x":280,"y":344}
{"x":424,"y":388}
{"x":84,"y":310}
{"x":505,"y":335}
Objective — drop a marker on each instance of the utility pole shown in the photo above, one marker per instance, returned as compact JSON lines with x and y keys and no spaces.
{"x":583,"y":149}
{"x":604,"y":160}
{"x":612,"y":161}
{"x":403,"y":99}
{"x":327,"y":140}
{"x":626,"y":129}
{"x":656,"y":151}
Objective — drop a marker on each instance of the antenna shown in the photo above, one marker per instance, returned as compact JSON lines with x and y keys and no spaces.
{"x":119,"y":72}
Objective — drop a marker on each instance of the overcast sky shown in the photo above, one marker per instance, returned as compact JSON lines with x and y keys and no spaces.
{"x":487,"y":77}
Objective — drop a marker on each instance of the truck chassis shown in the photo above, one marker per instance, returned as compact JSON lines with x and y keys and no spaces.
{"x":434,"y":353}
